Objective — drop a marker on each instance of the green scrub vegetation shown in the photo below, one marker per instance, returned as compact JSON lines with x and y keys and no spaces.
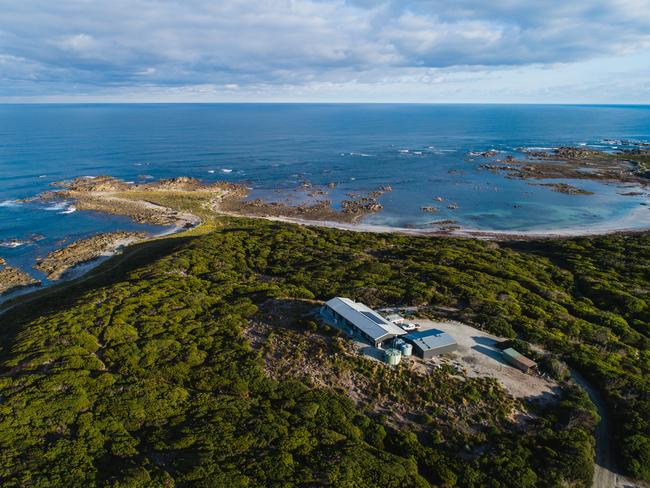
{"x":143,"y":376}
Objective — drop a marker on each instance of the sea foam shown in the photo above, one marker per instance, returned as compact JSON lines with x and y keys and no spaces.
{"x":10,"y":203}
{"x":12,"y":243}
{"x":68,"y":210}
{"x":57,"y":207}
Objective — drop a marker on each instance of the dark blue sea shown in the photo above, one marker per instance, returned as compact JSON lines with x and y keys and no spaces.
{"x":419,"y":150}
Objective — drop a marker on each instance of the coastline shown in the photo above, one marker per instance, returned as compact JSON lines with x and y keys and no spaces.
{"x":610,"y":228}
{"x":195,"y":211}
{"x":187,"y":207}
{"x":82,"y":265}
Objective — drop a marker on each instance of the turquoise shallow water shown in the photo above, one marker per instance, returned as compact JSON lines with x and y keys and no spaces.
{"x":419,"y":150}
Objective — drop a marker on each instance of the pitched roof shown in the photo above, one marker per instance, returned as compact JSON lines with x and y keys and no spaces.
{"x":364,"y":318}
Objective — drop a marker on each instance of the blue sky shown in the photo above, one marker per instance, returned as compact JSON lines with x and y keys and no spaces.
{"x":554,"y":51}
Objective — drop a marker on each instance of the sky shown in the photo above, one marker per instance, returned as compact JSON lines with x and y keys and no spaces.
{"x":428,"y":51}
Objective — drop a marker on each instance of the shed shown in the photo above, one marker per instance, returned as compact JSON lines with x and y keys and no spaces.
{"x":518,"y":360}
{"x":432,"y":342}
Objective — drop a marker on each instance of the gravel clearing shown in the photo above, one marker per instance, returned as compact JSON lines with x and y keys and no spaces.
{"x":477,"y":355}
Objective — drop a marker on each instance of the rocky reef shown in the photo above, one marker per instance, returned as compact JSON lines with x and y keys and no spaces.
{"x":627,"y":166}
{"x":429,"y":209}
{"x":56,"y":263}
{"x":110,"y":195}
{"x":11,"y":278}
{"x":352,"y":209}
{"x":565,"y":188}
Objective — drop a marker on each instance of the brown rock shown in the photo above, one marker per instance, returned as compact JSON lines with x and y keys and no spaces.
{"x":58,"y":262}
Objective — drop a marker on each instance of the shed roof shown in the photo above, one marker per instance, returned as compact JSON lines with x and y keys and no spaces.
{"x":520,"y":358}
{"x":364,"y":318}
{"x":430,"y":339}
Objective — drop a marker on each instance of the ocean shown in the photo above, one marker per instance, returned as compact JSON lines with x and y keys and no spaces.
{"x":421,"y":151}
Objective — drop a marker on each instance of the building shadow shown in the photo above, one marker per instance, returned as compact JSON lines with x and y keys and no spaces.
{"x":547,"y":397}
{"x":492,"y":353}
{"x":485,"y":341}
{"x":373,"y":352}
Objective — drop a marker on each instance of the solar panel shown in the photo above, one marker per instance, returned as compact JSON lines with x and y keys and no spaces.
{"x":363,"y":318}
{"x":375,"y":318}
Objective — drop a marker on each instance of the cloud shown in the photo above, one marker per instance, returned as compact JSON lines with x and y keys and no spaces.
{"x":82,"y":44}
{"x":71,"y":45}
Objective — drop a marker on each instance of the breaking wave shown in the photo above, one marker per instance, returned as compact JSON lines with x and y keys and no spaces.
{"x":68,"y":210}
{"x":10,"y":203}
{"x":12,"y":243}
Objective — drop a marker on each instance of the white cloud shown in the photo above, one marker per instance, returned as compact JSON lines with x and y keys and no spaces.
{"x":80,"y":43}
{"x":131,"y":46}
{"x":146,"y":72}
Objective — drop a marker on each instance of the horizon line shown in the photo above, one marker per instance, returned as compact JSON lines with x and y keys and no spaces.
{"x":55,"y":102}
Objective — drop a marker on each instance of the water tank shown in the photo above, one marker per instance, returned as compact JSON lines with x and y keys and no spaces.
{"x":392,"y":356}
{"x":407,"y":349}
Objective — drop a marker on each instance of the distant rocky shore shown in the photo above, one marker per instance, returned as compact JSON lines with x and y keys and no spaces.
{"x":626,"y":166}
{"x":114,"y":196}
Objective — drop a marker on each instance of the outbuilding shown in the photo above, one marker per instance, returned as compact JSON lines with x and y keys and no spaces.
{"x":518,"y":360}
{"x":432,"y":342}
{"x":359,"y":321}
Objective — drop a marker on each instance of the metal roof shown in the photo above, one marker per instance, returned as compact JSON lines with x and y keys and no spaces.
{"x":364,"y":318}
{"x":520,"y":358}
{"x":430,"y":339}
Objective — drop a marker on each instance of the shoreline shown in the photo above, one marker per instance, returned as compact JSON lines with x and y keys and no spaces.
{"x":461,"y":232}
{"x":183,"y":205}
{"x":181,"y":222}
{"x":85,"y":267}
{"x":56,"y":264}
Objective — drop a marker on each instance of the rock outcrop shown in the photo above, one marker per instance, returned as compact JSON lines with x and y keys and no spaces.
{"x":12,"y":278}
{"x":56,"y":263}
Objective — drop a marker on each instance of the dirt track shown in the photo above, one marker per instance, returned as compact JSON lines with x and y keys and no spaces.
{"x":604,"y":477}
